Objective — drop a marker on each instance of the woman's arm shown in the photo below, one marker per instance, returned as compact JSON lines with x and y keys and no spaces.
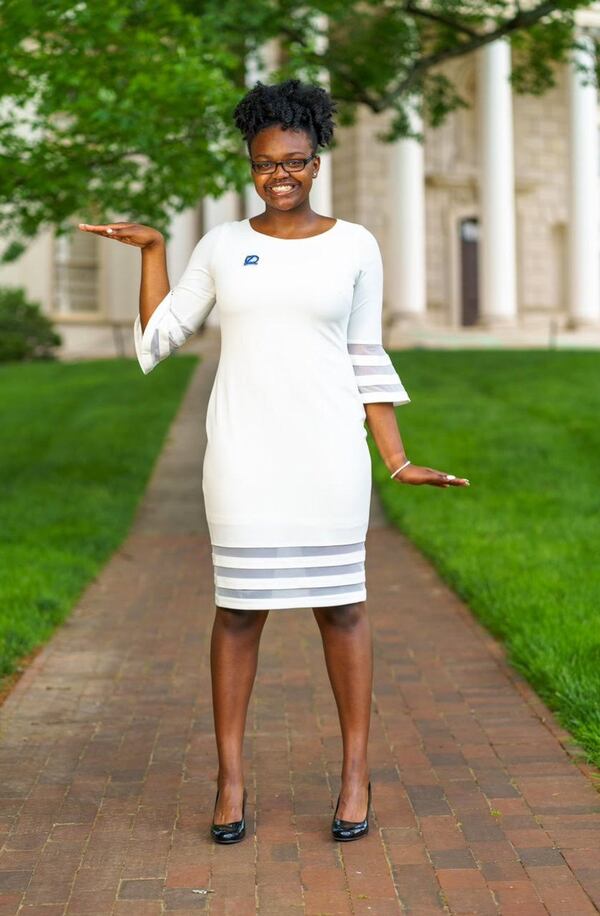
{"x":167,"y":317}
{"x":381,"y":420}
{"x":379,"y":385}
{"x":154,"y":283}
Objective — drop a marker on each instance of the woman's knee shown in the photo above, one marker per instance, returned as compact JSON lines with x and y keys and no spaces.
{"x":344,"y":617}
{"x":240,"y":621}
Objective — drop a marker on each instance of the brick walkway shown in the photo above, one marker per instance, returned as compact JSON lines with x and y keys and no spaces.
{"x":107,"y":762}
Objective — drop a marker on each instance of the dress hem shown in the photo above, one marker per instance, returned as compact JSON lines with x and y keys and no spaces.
{"x":280,"y":604}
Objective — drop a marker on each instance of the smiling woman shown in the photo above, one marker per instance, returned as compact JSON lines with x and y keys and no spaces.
{"x":287,"y":473}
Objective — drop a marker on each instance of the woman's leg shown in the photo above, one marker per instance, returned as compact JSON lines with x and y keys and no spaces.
{"x":346,"y":635}
{"x":233,"y":660}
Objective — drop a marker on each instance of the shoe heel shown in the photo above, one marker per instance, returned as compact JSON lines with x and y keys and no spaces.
{"x":344,"y":831}
{"x":232,"y":832}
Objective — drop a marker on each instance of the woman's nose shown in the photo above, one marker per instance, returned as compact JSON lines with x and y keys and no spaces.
{"x":279,"y":172}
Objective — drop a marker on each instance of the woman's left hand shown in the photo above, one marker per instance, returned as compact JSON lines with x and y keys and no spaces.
{"x":416,"y":475}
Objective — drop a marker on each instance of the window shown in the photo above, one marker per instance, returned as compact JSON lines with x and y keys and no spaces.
{"x":76,"y":273}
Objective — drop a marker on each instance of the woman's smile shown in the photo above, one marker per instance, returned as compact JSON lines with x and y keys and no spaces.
{"x":281,"y":188}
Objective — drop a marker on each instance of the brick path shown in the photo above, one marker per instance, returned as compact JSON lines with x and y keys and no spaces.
{"x":107,"y":763}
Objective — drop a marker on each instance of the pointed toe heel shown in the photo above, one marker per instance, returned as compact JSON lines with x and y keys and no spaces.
{"x":232,"y":832}
{"x":343,"y":831}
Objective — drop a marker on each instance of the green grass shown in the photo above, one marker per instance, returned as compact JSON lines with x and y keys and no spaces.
{"x":79,"y":441}
{"x":521,"y":544}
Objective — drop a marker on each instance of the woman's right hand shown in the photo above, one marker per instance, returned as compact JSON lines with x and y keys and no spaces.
{"x":129,"y":233}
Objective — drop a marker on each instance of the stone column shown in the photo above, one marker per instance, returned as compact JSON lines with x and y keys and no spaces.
{"x":497,"y":269}
{"x":321,"y":195}
{"x":185,"y":233}
{"x":404,"y":274}
{"x":583,"y":231}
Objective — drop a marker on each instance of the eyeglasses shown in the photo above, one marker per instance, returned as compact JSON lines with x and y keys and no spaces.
{"x":290,"y":165}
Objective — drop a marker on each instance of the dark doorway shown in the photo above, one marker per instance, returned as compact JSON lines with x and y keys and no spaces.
{"x":469,"y":292}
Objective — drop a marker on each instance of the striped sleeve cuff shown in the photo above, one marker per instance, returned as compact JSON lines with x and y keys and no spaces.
{"x":376,"y":376}
{"x":163,"y":334}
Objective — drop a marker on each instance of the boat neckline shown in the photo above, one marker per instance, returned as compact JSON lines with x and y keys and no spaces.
{"x":306,"y":238}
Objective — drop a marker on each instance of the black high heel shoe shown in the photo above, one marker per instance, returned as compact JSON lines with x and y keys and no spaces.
{"x":350,"y":830}
{"x":232,"y":832}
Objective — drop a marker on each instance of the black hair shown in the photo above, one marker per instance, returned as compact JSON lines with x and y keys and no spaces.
{"x":292,"y":104}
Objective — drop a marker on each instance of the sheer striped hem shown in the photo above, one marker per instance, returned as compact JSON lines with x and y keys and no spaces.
{"x":375,"y":374}
{"x":264,"y":578}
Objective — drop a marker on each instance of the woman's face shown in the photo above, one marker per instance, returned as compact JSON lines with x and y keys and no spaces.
{"x":280,"y":189}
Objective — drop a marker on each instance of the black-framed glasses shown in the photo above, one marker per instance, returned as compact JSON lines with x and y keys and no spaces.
{"x":290,"y":165}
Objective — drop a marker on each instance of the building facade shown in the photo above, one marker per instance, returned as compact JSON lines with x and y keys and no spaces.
{"x":492,"y":222}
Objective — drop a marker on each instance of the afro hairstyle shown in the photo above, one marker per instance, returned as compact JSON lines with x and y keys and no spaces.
{"x":292,"y":104}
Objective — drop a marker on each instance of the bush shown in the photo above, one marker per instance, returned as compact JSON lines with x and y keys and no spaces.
{"x":25,"y":332}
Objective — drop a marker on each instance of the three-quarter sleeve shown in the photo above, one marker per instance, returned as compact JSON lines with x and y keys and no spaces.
{"x":184,"y":308}
{"x":375,"y":374}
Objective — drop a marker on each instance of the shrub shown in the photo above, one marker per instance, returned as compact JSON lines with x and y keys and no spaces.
{"x":25,"y":332}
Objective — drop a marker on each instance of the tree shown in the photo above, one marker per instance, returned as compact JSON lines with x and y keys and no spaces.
{"x":113,"y":107}
{"x":381,"y":54}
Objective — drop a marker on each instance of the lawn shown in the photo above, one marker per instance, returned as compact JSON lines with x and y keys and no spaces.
{"x":79,"y":441}
{"x":521,"y":544}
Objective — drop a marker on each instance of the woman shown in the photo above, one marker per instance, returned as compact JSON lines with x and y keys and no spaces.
{"x":287,"y":471}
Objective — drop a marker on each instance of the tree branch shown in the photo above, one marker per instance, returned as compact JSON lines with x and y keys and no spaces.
{"x":377,"y":104}
{"x":520,"y":21}
{"x":438,"y":17}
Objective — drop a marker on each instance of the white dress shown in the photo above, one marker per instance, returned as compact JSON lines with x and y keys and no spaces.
{"x":287,"y":470}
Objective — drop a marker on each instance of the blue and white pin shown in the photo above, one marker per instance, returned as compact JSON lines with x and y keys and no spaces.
{"x":251,"y":259}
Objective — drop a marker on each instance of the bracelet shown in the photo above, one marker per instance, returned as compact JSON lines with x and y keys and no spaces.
{"x":400,"y":468}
